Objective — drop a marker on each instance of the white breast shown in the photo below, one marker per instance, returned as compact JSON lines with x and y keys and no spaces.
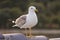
{"x":31,"y":20}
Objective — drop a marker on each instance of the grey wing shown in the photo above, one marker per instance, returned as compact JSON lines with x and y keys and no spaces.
{"x":21,"y":20}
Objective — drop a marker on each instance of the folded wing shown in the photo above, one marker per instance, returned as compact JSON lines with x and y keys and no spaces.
{"x":21,"y":20}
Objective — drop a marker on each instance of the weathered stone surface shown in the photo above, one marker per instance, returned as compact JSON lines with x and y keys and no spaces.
{"x":1,"y":37}
{"x":38,"y":38}
{"x":54,"y":39}
{"x":15,"y":36}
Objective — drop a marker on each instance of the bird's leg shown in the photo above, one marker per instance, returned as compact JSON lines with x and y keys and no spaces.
{"x":30,"y":34}
{"x":26,"y":31}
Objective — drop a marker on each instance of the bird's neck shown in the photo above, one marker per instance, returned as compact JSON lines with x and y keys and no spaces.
{"x":31,"y":12}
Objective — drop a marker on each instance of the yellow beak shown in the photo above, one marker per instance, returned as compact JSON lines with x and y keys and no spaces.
{"x":36,"y":10}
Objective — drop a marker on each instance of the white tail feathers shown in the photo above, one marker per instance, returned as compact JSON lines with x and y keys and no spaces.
{"x":14,"y":25}
{"x":13,"y":21}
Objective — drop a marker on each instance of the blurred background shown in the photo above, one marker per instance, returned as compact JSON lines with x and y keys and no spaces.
{"x":48,"y":13}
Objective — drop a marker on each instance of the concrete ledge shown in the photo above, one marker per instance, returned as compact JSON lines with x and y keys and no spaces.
{"x":14,"y":36}
{"x":41,"y":37}
{"x":54,"y":39}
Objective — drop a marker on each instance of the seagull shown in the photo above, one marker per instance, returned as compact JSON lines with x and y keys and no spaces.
{"x":27,"y":21}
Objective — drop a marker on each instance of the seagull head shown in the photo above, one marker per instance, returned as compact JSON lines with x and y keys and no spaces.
{"x":33,"y":8}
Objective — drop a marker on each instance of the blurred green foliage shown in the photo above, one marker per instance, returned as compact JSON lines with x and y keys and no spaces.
{"x":48,"y":15}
